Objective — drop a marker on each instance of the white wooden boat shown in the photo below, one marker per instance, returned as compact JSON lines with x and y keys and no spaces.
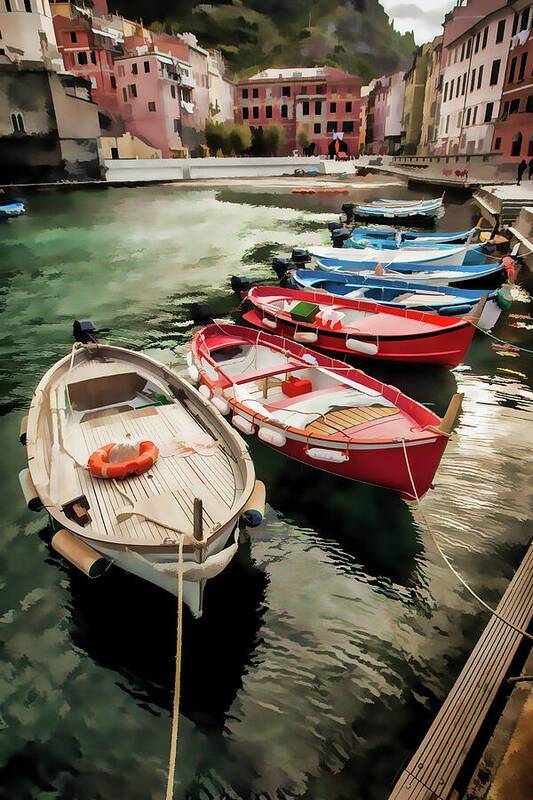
{"x":196,"y":490}
{"x":440,"y":255}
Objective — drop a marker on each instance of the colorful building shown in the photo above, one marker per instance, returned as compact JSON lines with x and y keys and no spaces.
{"x":385,"y":113}
{"x":413,"y":105}
{"x":473,"y":71}
{"x":431,"y":107}
{"x":310,"y":104}
{"x":27,"y":32}
{"x":221,"y":90}
{"x":513,"y":132}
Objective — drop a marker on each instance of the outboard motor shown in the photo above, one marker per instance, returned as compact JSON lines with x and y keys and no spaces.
{"x":85,"y":332}
{"x":300,"y":256}
{"x":201,"y":314}
{"x":281,"y":266}
{"x":340,"y":236}
{"x":334,"y":226}
{"x":240,"y":283}
{"x":348,"y":209}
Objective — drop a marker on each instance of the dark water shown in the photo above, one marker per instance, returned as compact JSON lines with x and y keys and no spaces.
{"x":329,"y":642}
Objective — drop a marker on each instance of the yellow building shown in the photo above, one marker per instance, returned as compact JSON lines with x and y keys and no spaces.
{"x":413,"y":105}
{"x":430,"y":114}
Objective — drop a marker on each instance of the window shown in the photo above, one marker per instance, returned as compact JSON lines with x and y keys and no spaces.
{"x":245,"y":94}
{"x":488,"y":112}
{"x":305,"y":108}
{"x":522,"y":69}
{"x":347,"y":126}
{"x":480,"y":77}
{"x":245,"y":113}
{"x":8,"y":5}
{"x":93,"y":57}
{"x":460,"y":119}
{"x":333,"y":108}
{"x":255,"y":93}
{"x":515,"y":24}
{"x":349,"y":107}
{"x":476,"y":46}
{"x":463,"y":52}
{"x":463,"y":87}
{"x":468,"y":48}
{"x":173,"y":90}
{"x":255,"y":112}
{"x":318,"y":107}
{"x":121,"y":72}
{"x":132,"y":90}
{"x":529,"y":104}
{"x":524,"y":19}
{"x":134,"y":70}
{"x":113,"y":81}
{"x":303,"y":90}
{"x":500,"y":31}
{"x":151,"y":105}
{"x":317,"y":127}
{"x":125,"y":95}
{"x":516,"y":146}
{"x":445,"y":92}
{"x":285,"y":91}
{"x":73,"y":36}
{"x":17,"y":122}
{"x":512,"y":70}
{"x":485,"y":36}
{"x":514,"y":107}
{"x":505,"y":111}
{"x":456,"y":55}
{"x":498,"y":143}
{"x":82,"y":58}
{"x":468,"y":114}
{"x":27,"y":6}
{"x":495,"y":72}
{"x":268,"y":112}
{"x":475,"y":116}
{"x":447,"y":124}
{"x":176,"y":125}
{"x":147,"y":66}
{"x":321,"y":89}
{"x":473,"y":80}
{"x":331,"y":126}
{"x":451,"y":88}
{"x":458,"y":88}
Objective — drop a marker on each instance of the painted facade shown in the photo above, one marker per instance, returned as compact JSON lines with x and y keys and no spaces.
{"x":413,"y":105}
{"x":431,"y":107}
{"x":385,"y":108}
{"x":513,"y":132}
{"x":221,"y":90}
{"x":28,"y":32}
{"x":309,"y":103}
{"x":474,"y":65}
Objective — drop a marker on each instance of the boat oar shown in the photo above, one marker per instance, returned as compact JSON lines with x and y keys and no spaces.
{"x":64,"y":483}
{"x":448,"y":421}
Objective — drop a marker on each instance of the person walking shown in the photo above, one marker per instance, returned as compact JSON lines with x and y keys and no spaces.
{"x":530,"y":165}
{"x":521,"y":169}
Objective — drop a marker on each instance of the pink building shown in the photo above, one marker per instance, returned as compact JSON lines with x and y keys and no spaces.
{"x":384,"y":114}
{"x":311,"y":101}
{"x":474,"y":57}
{"x":154,"y":93}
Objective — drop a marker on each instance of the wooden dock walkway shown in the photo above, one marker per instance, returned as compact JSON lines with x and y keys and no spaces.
{"x":433,"y":770}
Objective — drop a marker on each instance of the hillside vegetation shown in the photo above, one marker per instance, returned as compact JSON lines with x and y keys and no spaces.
{"x":355,"y":35}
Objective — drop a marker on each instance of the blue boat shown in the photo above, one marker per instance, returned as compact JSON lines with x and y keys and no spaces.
{"x":389,"y":239}
{"x":395,"y":209}
{"x":443,"y":300}
{"x":10,"y":210}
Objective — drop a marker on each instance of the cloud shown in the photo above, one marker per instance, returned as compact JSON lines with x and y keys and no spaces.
{"x":425,"y":22}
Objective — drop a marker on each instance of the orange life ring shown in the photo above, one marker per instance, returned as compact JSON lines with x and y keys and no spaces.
{"x":100,"y":466}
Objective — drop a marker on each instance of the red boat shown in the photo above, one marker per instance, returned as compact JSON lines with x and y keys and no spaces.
{"x":360,"y":327}
{"x":318,"y":410}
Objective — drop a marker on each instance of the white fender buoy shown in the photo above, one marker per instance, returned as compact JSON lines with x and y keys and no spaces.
{"x":254,"y":511}
{"x":220,"y":404}
{"x":362,"y":347}
{"x":307,"y":337}
{"x":205,"y":391}
{"x":23,"y":430}
{"x":33,"y":501}
{"x":270,"y":323}
{"x":273,"y":437}
{"x":321,"y":454}
{"x":194,"y":375}
{"x":79,"y":553}
{"x":243,"y":424}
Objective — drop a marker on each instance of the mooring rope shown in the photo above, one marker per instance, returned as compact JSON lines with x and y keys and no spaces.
{"x":502,"y":341}
{"x":448,"y":562}
{"x":177,"y":680}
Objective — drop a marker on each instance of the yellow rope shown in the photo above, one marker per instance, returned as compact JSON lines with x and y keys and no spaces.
{"x":177,"y":680}
{"x":450,"y":565}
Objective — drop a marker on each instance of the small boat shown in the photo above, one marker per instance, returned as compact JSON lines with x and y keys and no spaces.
{"x":435,"y":255}
{"x":444,"y":300}
{"x":472,"y":275}
{"x":360,"y":327}
{"x":390,"y":239}
{"x":320,"y":411}
{"x":11,"y":210}
{"x":180,"y":471}
{"x":394,"y":209}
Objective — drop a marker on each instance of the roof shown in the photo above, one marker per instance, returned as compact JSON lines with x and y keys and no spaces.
{"x":301,"y":73}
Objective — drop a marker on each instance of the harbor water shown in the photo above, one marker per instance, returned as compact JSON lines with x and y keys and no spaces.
{"x":329,"y":643}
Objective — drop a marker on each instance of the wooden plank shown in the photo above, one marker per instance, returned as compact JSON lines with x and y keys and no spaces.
{"x":433,"y":770}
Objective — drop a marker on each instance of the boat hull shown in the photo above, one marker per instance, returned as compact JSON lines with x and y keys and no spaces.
{"x":444,"y":347}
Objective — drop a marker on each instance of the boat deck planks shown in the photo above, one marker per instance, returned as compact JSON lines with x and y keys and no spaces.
{"x":433,"y":770}
{"x":346,"y":418}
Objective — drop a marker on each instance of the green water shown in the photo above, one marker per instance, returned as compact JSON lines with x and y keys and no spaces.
{"x":330,"y":641}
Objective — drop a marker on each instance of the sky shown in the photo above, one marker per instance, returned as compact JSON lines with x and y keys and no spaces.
{"x":424,"y":17}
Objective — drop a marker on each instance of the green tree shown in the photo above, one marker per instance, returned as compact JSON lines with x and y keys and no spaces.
{"x":303,"y":136}
{"x":240,"y":138}
{"x":274,"y":139}
{"x":215,"y":136}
